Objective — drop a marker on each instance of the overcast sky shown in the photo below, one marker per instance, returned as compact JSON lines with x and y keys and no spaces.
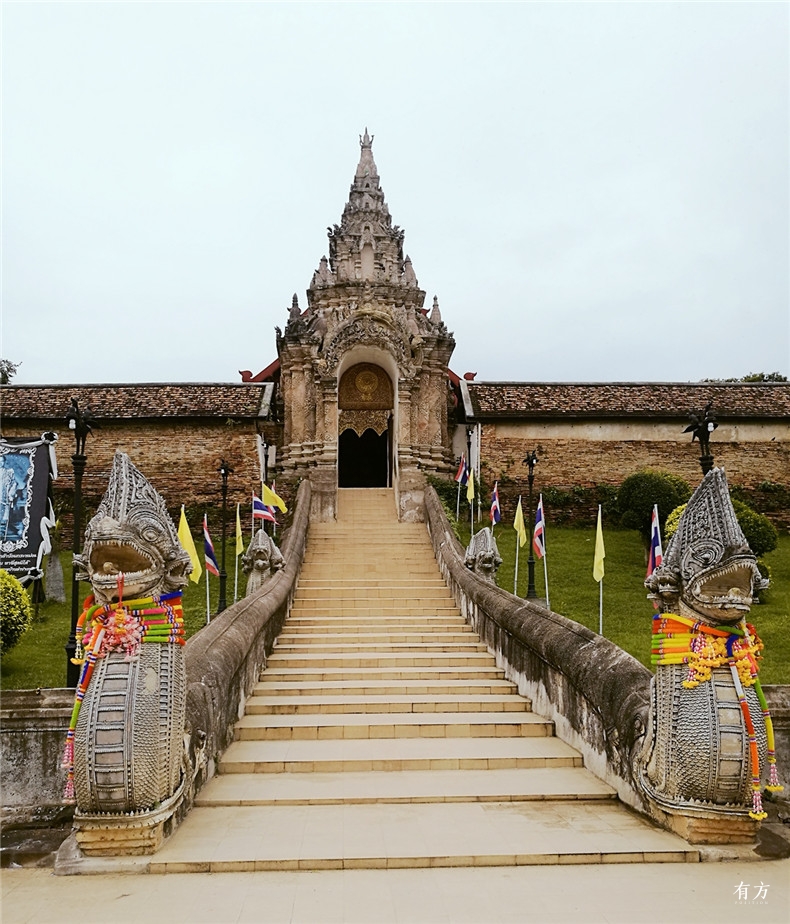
{"x":594,"y":191}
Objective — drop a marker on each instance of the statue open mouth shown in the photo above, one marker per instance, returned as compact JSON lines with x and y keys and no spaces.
{"x":726,"y":588}
{"x":109,"y":558}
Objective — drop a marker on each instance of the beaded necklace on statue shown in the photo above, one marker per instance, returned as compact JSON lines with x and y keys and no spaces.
{"x":680,"y":640}
{"x":119,"y":626}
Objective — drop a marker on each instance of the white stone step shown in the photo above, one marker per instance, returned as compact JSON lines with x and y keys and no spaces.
{"x":538,"y":784}
{"x":358,"y":726}
{"x":271,"y":687}
{"x":375,"y":754}
{"x":324,"y":702}
{"x":381,"y":836}
{"x":276,"y":672}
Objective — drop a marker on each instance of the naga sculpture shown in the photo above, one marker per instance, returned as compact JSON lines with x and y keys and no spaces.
{"x":124,"y":752}
{"x":711,"y":735}
{"x":261,"y":560}
{"x":482,"y":555}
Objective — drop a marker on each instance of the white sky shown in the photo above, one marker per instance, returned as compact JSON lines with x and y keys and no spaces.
{"x":595,"y":191}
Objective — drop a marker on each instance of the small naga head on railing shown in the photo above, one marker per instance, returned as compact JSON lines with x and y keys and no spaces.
{"x":709,"y":573}
{"x":482,"y":555}
{"x":131,"y":535}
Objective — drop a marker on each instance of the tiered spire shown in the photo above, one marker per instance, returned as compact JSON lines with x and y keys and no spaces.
{"x":366,"y":248}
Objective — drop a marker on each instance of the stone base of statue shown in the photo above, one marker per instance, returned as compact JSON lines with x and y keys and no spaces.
{"x":132,"y":834}
{"x":713,"y":828}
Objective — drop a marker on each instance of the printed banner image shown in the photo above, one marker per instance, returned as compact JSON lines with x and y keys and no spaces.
{"x":24,"y":496}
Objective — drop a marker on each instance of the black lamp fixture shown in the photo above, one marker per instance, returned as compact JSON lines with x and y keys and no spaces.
{"x":703,"y":423}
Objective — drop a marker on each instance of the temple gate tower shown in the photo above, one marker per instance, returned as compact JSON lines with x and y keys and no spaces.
{"x":364,"y":376}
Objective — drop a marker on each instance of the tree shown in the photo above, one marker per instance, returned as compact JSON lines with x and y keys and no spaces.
{"x":640,"y":491}
{"x":7,"y":370}
{"x":754,"y":377}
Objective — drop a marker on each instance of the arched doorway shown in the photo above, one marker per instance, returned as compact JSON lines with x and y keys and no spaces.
{"x":365,"y":403}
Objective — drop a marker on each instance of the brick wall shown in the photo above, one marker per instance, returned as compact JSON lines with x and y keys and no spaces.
{"x":180,"y":458}
{"x":565,"y":463}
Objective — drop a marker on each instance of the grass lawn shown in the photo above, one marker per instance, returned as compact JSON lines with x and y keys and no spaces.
{"x":39,"y":659}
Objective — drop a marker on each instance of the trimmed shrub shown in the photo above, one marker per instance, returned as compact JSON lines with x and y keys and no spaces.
{"x":640,"y":491}
{"x":16,"y":613}
{"x":760,"y":532}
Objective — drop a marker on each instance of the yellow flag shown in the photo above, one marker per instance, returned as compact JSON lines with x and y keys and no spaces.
{"x":470,"y":486}
{"x":518,"y":525}
{"x":271,"y":499}
{"x":600,"y":552}
{"x":239,"y":534}
{"x":188,"y":544}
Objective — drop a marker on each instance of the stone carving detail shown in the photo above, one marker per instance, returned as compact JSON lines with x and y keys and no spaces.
{"x":371,"y":331}
{"x":359,"y":421}
{"x":482,"y":555}
{"x":710,"y":733}
{"x":261,"y":561}
{"x":127,"y":742}
{"x":365,"y":387}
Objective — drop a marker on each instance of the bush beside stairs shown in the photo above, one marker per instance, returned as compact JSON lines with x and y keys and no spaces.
{"x":382,"y":735}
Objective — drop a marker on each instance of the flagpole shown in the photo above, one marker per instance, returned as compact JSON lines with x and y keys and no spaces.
{"x":515,"y":576}
{"x":545,"y":556}
{"x":600,"y":607}
{"x":598,"y":568}
{"x":600,"y":583}
{"x":458,"y":503}
{"x":236,"y":577}
{"x":208,"y":604}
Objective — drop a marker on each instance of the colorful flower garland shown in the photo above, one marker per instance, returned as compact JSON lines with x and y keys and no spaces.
{"x":679,"y":640}
{"x":121,"y":626}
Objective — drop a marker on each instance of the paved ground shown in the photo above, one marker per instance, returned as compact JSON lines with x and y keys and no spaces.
{"x":629,"y":894}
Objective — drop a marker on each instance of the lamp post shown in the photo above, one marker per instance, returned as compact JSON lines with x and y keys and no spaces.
{"x":531,"y":461}
{"x":224,"y":470}
{"x":80,"y":423}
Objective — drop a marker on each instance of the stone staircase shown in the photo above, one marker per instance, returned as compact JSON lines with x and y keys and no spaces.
{"x":382,"y":735}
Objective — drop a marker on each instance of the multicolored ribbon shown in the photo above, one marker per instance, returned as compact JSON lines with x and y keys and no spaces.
{"x":679,"y":640}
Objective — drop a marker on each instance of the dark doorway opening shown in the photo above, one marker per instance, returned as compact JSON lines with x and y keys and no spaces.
{"x":363,"y":460}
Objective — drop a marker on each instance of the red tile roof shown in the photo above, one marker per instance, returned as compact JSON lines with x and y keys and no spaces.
{"x":120,"y":402}
{"x":491,"y":400}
